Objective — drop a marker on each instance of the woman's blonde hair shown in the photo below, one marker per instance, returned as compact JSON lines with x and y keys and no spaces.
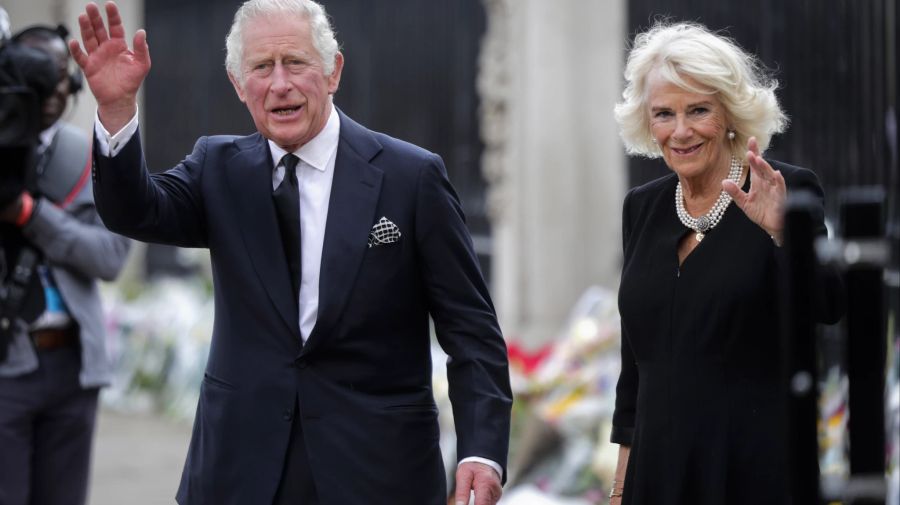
{"x":683,"y":51}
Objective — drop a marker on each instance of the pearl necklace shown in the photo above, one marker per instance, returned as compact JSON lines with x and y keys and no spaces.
{"x":703,"y":224}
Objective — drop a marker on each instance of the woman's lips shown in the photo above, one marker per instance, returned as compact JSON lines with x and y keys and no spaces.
{"x":686,"y":150}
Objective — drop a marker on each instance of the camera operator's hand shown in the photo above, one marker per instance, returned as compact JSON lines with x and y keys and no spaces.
{"x":113,"y":72}
{"x":18,"y":211}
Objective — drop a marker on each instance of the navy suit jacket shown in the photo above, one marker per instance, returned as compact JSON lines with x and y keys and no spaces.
{"x":363,"y":378}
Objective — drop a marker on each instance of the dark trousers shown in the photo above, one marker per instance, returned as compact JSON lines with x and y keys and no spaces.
{"x":46,"y":428}
{"x":297,"y":486}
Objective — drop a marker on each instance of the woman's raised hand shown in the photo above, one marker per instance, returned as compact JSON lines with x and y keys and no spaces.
{"x":764,"y":203}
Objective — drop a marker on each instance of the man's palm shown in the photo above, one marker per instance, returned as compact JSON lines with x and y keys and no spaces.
{"x":113,"y":72}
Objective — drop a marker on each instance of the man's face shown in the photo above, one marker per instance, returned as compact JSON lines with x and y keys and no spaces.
{"x":55,"y":104}
{"x":284,"y":86}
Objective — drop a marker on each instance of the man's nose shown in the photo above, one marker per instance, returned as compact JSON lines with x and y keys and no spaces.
{"x":281,"y":82}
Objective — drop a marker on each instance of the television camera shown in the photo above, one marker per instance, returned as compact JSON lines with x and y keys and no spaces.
{"x":27,"y":78}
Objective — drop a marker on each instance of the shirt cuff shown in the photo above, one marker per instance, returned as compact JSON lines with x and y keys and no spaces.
{"x":108,"y":144}
{"x":475,"y":459}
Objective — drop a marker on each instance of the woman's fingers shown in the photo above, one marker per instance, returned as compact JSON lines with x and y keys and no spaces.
{"x":753,"y":145}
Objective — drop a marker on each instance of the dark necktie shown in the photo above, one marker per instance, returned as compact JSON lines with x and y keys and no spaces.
{"x":287,"y":203}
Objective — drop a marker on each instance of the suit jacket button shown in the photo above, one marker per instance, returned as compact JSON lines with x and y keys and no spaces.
{"x":287,"y":415}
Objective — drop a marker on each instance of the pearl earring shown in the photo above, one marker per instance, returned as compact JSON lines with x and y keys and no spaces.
{"x":731,"y":135}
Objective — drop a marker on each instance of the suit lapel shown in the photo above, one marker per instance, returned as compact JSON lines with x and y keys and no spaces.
{"x":249,"y":177}
{"x":351,"y":213}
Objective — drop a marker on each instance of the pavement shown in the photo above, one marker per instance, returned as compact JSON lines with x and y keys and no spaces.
{"x":137,"y":459}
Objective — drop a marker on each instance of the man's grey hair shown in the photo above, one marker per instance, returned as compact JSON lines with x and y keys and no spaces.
{"x":320,"y":27}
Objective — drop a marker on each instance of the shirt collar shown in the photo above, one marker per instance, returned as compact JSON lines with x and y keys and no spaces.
{"x":317,"y":151}
{"x":47,"y":135}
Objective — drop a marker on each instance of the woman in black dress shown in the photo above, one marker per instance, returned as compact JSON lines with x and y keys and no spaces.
{"x":698,"y":409}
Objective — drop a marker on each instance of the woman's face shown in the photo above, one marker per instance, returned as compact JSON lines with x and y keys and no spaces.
{"x":690,"y":128}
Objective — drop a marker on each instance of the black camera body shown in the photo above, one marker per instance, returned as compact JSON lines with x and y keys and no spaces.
{"x":27,"y":78}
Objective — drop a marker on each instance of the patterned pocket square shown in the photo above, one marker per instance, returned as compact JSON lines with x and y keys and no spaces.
{"x":384,"y":232}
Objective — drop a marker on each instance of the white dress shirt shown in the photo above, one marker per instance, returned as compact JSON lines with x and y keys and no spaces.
{"x":315,"y":173}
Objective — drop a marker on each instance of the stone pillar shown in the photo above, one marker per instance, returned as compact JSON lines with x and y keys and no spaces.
{"x":550,"y":73}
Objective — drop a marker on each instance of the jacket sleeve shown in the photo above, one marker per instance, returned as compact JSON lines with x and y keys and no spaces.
{"x":76,"y":239}
{"x":464,"y":318}
{"x":165,"y":208}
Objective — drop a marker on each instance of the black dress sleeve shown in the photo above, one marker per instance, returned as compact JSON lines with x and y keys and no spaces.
{"x":627,"y":386}
{"x":828,"y":294}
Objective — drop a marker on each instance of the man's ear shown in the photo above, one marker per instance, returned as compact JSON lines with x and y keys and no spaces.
{"x":334,"y":79}
{"x":237,"y":87}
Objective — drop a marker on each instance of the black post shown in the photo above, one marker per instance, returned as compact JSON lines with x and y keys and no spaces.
{"x":861,"y":213}
{"x":799,"y":349}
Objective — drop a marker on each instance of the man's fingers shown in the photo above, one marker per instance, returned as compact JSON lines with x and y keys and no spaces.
{"x":77,"y":54}
{"x":480,"y":478}
{"x":116,"y":28}
{"x":87,"y":32}
{"x":141,"y":48}
{"x":464,"y":477}
{"x":97,"y":23}
{"x":486,"y":493}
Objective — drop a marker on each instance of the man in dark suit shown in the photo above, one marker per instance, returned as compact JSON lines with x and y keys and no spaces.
{"x":331,"y":245}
